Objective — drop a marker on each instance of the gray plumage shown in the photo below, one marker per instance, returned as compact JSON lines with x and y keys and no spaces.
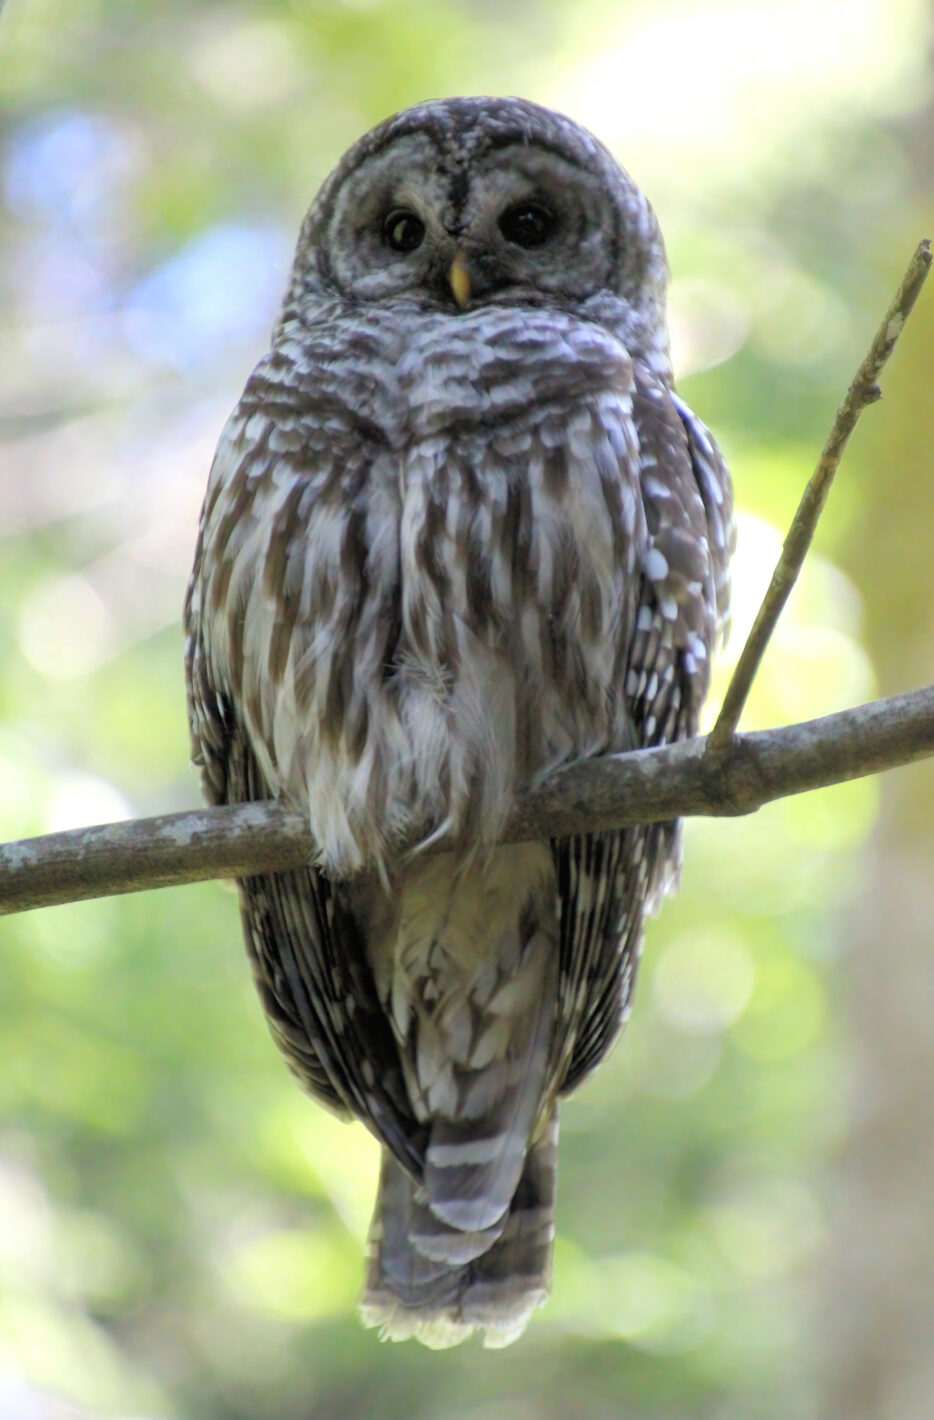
{"x":459,"y":530}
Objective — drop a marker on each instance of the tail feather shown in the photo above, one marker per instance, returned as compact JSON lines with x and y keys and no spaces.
{"x":473,"y":1163}
{"x":490,"y":1279}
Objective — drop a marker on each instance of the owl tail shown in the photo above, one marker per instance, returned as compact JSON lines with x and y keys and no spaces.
{"x":439,"y":1284}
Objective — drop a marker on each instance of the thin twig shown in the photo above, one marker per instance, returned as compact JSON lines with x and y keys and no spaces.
{"x":863,"y":391}
{"x":642,"y":787}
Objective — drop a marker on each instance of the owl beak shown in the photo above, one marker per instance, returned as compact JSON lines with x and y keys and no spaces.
{"x":459,"y":279}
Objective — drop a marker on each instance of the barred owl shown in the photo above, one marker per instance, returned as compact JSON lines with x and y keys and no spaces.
{"x":459,"y":531}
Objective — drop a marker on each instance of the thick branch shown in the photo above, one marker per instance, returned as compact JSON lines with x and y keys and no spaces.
{"x":725,"y":774}
{"x":863,"y":391}
{"x":641,"y":787}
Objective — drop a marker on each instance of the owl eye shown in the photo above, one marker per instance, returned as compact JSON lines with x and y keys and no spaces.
{"x":528,"y":224}
{"x":402,"y":230}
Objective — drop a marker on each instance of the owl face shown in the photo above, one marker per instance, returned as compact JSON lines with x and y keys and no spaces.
{"x":462,"y":203}
{"x":514,"y":223}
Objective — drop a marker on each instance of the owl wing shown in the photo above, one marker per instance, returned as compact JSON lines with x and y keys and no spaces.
{"x":304,"y":943}
{"x":608,"y":881}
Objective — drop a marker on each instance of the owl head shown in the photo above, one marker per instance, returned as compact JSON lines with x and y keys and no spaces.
{"x":459,"y":203}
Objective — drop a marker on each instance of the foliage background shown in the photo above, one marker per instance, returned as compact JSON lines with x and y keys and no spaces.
{"x":745,"y":1211}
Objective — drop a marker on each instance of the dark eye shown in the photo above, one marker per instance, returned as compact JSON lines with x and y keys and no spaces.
{"x":528,"y":224}
{"x":403,"y":231}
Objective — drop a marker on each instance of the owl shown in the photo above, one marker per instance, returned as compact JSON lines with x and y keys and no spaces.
{"x":459,"y":531}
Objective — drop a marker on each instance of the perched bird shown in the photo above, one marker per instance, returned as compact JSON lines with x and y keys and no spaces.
{"x":459,"y":530}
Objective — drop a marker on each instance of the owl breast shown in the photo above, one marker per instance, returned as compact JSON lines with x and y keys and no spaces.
{"x":460,"y":579}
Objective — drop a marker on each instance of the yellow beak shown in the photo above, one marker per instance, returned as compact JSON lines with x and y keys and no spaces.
{"x":459,"y":278}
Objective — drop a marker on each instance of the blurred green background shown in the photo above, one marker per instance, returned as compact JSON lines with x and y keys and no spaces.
{"x":745,"y":1224}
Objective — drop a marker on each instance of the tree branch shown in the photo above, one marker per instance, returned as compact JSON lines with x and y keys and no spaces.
{"x":721,"y":775}
{"x":693,"y":778}
{"x":864,"y":390}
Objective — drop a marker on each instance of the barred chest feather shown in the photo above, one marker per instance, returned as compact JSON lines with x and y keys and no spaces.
{"x":431,"y":600}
